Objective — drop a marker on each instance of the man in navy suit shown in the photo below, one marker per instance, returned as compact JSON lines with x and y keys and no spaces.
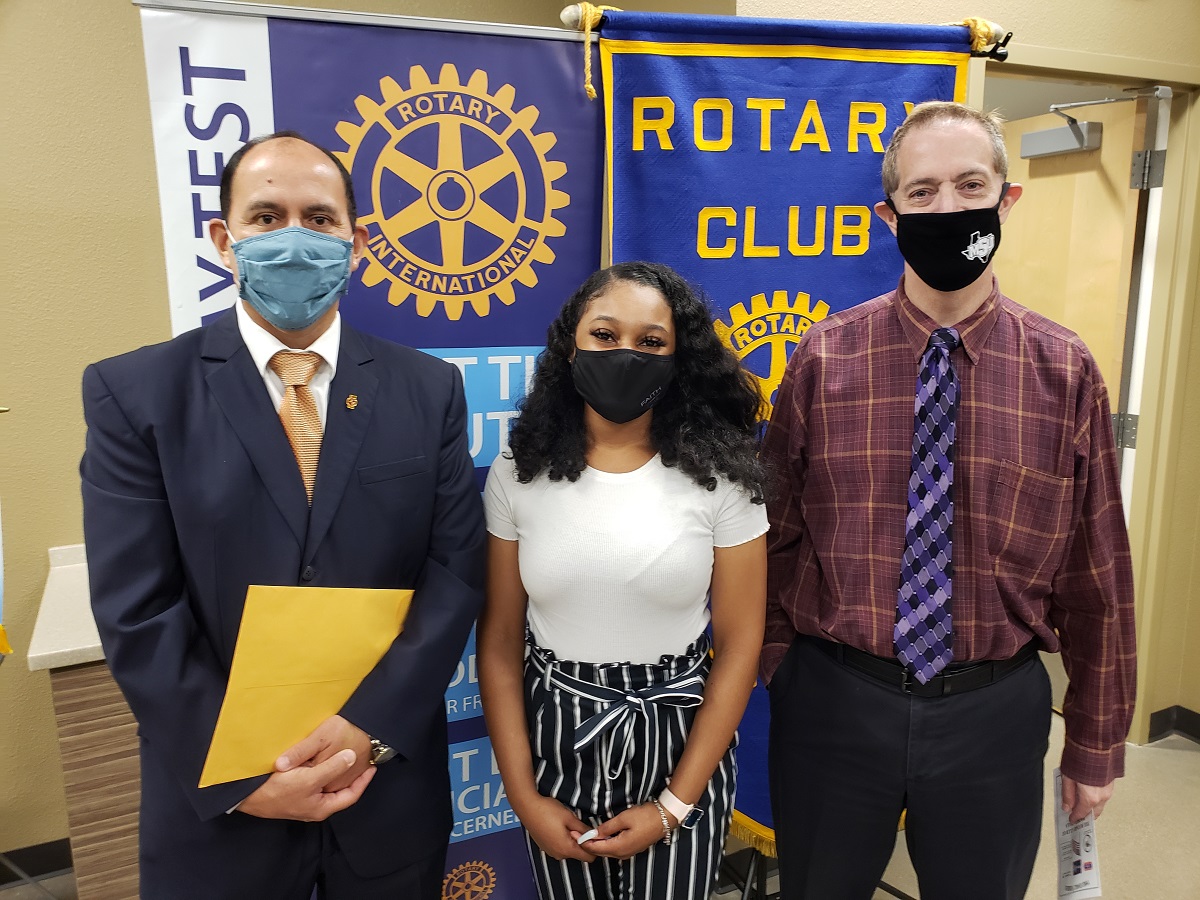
{"x":192,"y":491}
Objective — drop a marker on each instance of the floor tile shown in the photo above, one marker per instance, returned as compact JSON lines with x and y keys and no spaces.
{"x":41,"y":859}
{"x":24,"y":891}
{"x":61,"y":886}
{"x":7,"y":874}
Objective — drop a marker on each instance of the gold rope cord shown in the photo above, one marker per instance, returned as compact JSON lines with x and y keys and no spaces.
{"x":590,"y":18}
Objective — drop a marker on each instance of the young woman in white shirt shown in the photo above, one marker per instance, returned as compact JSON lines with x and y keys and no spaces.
{"x":627,"y":517}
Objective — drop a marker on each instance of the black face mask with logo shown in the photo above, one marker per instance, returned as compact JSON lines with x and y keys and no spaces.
{"x":949,"y":251}
{"x":621,"y":384}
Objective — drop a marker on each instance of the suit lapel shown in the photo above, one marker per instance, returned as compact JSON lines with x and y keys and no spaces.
{"x":351,"y":405}
{"x":242,"y":396}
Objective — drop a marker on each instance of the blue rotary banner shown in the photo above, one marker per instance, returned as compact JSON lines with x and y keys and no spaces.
{"x":746,"y":153}
{"x":476,"y":163}
{"x":475,"y":156}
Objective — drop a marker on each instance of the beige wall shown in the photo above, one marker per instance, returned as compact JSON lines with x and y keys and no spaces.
{"x":82,"y":252}
{"x":1169,"y":645}
{"x":1178,"y":634}
{"x":1161,"y":30}
{"x":81,"y":256}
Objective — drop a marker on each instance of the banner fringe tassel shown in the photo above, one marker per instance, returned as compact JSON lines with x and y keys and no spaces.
{"x":753,"y":834}
{"x":983,"y":32}
{"x":761,"y":838}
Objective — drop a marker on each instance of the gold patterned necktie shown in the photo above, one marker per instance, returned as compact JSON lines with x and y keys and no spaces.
{"x":298,"y":411}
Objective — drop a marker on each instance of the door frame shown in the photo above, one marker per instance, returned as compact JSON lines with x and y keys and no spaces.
{"x":1174,"y":260}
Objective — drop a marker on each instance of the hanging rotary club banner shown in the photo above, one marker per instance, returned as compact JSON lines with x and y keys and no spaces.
{"x":476,"y":163}
{"x":746,"y":153}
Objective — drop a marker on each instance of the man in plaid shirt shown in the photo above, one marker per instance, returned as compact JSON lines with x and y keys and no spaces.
{"x":913,"y":577}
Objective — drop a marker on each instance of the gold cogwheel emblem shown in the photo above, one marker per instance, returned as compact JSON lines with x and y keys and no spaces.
{"x":777,"y":325}
{"x":469,"y":881}
{"x":462,"y":199}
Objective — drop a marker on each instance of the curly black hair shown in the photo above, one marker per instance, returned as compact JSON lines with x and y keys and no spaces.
{"x":707,"y":422}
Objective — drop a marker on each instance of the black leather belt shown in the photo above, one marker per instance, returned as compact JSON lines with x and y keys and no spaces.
{"x":957,"y":678}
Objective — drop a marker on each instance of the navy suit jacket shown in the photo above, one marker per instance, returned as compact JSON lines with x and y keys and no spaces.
{"x":191,"y":493}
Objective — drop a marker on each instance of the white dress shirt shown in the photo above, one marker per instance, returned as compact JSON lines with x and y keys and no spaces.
{"x":263,"y":345}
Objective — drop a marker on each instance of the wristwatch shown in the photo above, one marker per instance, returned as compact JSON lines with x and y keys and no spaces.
{"x":380,"y":752}
{"x":686,"y":814}
{"x":692,"y":818}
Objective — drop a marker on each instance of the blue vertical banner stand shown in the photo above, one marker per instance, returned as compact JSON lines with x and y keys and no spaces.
{"x":746,"y":153}
{"x":477,"y":168}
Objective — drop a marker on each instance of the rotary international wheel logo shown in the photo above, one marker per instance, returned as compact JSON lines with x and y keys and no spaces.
{"x":469,"y":881}
{"x":775,"y":326}
{"x":462,"y":200}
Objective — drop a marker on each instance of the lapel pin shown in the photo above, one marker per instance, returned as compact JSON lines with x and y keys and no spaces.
{"x":352,"y":401}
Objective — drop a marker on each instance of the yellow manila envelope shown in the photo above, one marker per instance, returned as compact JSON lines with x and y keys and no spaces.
{"x":283,"y":682}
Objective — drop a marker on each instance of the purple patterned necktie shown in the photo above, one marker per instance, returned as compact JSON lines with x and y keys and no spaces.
{"x":923,"y":629}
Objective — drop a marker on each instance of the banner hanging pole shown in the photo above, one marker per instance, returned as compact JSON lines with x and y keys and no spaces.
{"x":386,"y":20}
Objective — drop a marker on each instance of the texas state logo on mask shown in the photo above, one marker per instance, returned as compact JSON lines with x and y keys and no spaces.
{"x":951,"y":250}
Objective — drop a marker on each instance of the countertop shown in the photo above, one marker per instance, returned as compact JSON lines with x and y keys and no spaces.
{"x":65,"y":632}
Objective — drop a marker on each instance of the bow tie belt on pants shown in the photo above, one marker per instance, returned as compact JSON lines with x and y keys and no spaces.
{"x":624,"y":708}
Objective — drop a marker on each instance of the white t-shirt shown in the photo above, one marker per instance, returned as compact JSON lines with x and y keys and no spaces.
{"x":618,"y":566}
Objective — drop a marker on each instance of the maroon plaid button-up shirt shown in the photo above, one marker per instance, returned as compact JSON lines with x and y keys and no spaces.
{"x":1040,"y":548}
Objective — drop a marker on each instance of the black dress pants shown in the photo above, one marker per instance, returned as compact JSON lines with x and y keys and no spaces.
{"x":241,"y":857}
{"x":849,"y":753}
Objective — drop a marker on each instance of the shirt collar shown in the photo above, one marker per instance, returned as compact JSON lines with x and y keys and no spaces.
{"x":263,"y":345}
{"x":974,"y":330}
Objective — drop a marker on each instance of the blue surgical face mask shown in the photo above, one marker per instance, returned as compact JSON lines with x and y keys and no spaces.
{"x":292,"y":276}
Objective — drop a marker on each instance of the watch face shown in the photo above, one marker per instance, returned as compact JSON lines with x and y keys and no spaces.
{"x":690,"y":820}
{"x":380,"y":753}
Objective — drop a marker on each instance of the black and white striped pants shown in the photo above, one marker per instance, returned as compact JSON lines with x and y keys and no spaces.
{"x":637,"y":718}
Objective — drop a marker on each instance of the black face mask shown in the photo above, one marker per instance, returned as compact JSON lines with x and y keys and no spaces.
{"x":621,"y":384}
{"x":949,"y":251}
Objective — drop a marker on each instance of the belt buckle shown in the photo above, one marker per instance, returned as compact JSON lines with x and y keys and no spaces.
{"x":906,"y":681}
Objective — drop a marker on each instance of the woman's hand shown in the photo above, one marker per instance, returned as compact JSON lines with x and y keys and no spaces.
{"x":629,"y":833}
{"x":554,"y":828}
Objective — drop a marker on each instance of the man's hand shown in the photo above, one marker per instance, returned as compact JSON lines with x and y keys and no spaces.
{"x":629,"y":833}
{"x":1079,"y":799}
{"x":304,"y":794}
{"x":331,"y":736}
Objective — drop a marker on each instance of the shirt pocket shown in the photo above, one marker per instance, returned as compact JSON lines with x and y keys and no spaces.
{"x":1029,"y":517}
{"x":389,"y":471}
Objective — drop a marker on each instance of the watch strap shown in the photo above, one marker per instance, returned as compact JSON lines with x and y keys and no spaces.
{"x":675,"y":806}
